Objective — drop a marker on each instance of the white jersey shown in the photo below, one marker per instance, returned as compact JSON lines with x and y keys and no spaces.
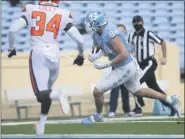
{"x":45,"y":23}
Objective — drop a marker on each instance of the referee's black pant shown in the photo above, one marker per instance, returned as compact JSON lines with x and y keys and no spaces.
{"x":149,"y":66}
{"x":114,"y":94}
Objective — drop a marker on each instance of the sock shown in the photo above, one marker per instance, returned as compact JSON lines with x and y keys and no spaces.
{"x":54,"y":95}
{"x":99,"y":114}
{"x":168,"y":99}
{"x":43,"y":119}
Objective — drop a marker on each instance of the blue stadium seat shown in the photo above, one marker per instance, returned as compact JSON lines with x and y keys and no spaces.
{"x":160,"y":5}
{"x":164,"y":34}
{"x":177,"y":5}
{"x":143,"y":5}
{"x":180,"y":42}
{"x":127,"y":5}
{"x":144,"y":13}
{"x":178,"y":27}
{"x":180,"y":34}
{"x":110,"y":5}
{"x":160,"y":12}
{"x":162,"y":27}
{"x":177,"y":12}
{"x":177,"y":20}
{"x":160,"y":20}
{"x":127,"y":13}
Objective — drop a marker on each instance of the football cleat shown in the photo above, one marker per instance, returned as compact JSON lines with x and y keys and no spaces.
{"x":136,"y":112}
{"x":39,"y":130}
{"x":92,"y":119}
{"x":175,"y":104}
{"x":63,"y":102}
{"x":111,"y":114}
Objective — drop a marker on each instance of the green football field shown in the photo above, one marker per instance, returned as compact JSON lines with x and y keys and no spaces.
{"x":144,"y":126}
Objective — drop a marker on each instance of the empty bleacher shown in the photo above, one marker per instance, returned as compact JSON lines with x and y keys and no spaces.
{"x":164,"y":17}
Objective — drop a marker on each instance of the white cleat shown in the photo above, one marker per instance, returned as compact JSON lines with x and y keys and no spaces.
{"x":63,"y":102}
{"x":111,"y":114}
{"x":128,"y":114}
{"x":175,"y":104}
{"x":39,"y":130}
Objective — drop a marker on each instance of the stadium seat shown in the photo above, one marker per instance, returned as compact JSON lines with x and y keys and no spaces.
{"x":144,"y":13}
{"x":76,"y":5}
{"x":177,"y":12}
{"x":177,"y":5}
{"x":160,"y":12}
{"x":178,"y":27}
{"x":127,"y":6}
{"x":160,"y":20}
{"x":180,"y":42}
{"x":162,"y":27}
{"x":164,"y":34}
{"x":160,"y":5}
{"x":127,"y":14}
{"x":177,"y":20}
{"x":110,"y":5}
{"x":180,"y":34}
{"x":143,"y":5}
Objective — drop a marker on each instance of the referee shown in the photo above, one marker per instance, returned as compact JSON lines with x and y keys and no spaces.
{"x":143,"y":41}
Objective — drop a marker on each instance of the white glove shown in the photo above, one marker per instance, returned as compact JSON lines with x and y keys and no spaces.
{"x":95,"y":54}
{"x":102,"y":65}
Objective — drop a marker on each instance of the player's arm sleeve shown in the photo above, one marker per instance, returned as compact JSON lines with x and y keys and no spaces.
{"x":26,"y":12}
{"x":75,"y":35}
{"x":17,"y":25}
{"x":155,"y":37}
{"x":73,"y":32}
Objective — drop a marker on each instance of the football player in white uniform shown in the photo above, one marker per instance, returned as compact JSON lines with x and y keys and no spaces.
{"x":44,"y":21}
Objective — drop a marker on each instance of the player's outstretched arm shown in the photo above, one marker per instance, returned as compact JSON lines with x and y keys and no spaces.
{"x":75,"y":35}
{"x":17,"y":25}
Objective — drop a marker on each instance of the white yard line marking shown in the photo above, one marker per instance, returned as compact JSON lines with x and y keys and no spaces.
{"x":92,"y":136}
{"x":106,"y":120}
{"x":77,"y":122}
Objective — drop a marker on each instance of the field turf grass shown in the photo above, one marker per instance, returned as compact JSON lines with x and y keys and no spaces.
{"x":162,"y":128}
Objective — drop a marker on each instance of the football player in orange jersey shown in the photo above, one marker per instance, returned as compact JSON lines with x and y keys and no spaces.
{"x":44,"y":21}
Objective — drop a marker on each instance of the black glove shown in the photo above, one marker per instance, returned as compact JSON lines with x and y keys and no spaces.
{"x":11,"y":53}
{"x":79,"y":60}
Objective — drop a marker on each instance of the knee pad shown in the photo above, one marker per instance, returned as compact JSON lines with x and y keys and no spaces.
{"x":45,"y":100}
{"x":43,"y":95}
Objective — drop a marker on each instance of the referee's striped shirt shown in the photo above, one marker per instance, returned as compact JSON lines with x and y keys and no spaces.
{"x":144,"y":43}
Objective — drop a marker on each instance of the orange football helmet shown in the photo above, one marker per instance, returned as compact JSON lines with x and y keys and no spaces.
{"x":50,"y":2}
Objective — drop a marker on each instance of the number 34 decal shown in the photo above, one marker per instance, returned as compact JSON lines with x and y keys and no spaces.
{"x":52,"y":26}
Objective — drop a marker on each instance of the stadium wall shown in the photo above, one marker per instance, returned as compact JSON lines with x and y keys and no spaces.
{"x":15,"y":74}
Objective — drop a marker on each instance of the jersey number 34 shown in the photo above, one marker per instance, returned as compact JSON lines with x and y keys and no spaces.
{"x":52,"y":26}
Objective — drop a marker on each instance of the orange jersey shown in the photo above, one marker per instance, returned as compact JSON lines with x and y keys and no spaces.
{"x":45,"y":23}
